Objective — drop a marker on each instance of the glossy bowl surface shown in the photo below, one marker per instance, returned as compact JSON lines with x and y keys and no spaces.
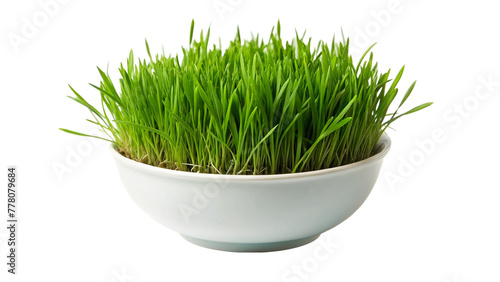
{"x":251,"y":212}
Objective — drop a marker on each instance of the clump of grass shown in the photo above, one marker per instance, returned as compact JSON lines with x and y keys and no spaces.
{"x":255,"y":108}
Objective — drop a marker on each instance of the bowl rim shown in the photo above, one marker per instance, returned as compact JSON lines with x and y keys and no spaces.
{"x":383,"y":145}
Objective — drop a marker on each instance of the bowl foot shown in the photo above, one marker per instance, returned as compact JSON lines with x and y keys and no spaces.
{"x":251,"y":247}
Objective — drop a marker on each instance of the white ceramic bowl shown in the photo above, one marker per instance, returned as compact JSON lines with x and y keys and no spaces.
{"x":251,"y":212}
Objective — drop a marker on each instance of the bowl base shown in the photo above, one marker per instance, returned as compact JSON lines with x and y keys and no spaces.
{"x":251,"y":247}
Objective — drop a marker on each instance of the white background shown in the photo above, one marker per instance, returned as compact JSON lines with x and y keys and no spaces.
{"x":434,"y":214}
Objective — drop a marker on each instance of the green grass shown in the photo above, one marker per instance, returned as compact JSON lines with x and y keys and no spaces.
{"x":255,"y":108}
